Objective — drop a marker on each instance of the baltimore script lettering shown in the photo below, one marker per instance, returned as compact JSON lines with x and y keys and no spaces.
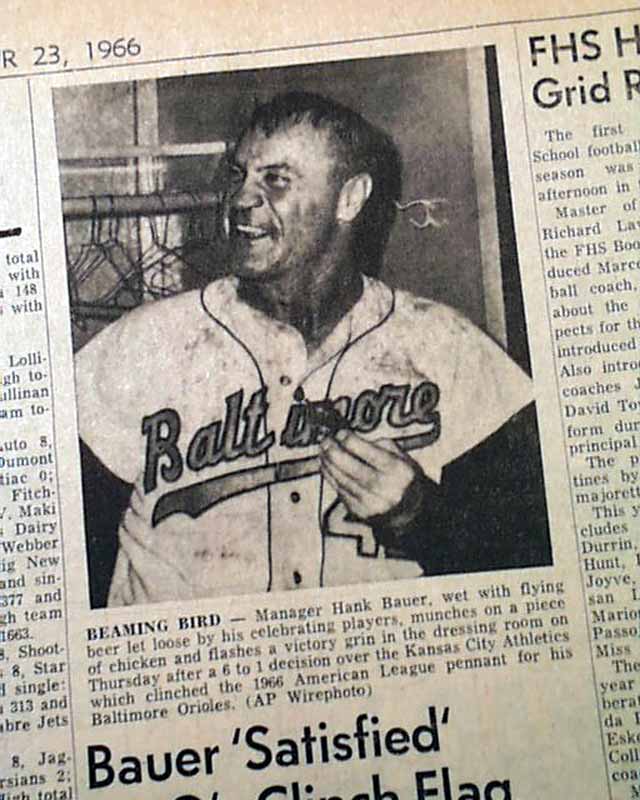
{"x":243,"y":429}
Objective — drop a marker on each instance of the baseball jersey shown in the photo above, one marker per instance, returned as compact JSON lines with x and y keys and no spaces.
{"x":206,"y":405}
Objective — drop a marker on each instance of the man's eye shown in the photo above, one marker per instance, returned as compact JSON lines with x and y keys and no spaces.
{"x":276,"y":181}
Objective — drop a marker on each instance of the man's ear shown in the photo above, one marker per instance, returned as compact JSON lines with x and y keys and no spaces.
{"x":353,"y":195}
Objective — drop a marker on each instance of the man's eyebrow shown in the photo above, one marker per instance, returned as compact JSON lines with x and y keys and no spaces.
{"x":282,"y":165}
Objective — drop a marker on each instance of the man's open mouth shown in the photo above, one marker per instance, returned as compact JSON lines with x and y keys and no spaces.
{"x":252,"y":232}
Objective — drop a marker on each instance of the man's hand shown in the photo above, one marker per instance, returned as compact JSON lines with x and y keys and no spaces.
{"x":374,"y":479}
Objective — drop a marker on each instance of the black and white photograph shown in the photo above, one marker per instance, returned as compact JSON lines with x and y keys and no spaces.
{"x":301,"y":352}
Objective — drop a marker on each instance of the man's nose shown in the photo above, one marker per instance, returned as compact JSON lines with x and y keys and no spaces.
{"x":247,"y":195}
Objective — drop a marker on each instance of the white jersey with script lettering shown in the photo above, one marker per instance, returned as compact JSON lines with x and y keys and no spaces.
{"x":203,"y":401}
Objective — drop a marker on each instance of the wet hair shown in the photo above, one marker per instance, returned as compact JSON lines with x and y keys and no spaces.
{"x":359,"y":147}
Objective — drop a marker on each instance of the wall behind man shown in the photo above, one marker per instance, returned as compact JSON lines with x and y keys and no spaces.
{"x":422,"y":101}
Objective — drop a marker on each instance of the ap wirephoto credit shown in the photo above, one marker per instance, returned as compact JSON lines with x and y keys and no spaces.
{"x":301,"y":352}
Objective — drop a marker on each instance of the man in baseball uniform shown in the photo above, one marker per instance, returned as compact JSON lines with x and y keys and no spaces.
{"x":299,"y":423}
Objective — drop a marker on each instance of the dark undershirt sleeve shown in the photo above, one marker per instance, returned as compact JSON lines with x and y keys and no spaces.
{"x":489,"y":511}
{"x":105,"y":499}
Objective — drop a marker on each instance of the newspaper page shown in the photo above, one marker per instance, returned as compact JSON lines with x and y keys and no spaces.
{"x":319,"y":401}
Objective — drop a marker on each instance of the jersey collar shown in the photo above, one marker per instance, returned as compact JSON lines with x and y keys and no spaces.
{"x":257,"y":331}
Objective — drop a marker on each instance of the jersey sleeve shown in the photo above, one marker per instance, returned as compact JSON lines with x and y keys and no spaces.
{"x":112,"y":381}
{"x":487,"y":389}
{"x":480,"y":386}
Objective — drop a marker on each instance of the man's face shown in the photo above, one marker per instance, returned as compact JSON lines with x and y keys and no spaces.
{"x":281,"y":207}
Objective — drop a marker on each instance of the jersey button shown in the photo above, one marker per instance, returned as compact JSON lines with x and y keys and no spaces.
{"x":295,"y":497}
{"x":285,"y":380}
{"x":297,"y":577}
